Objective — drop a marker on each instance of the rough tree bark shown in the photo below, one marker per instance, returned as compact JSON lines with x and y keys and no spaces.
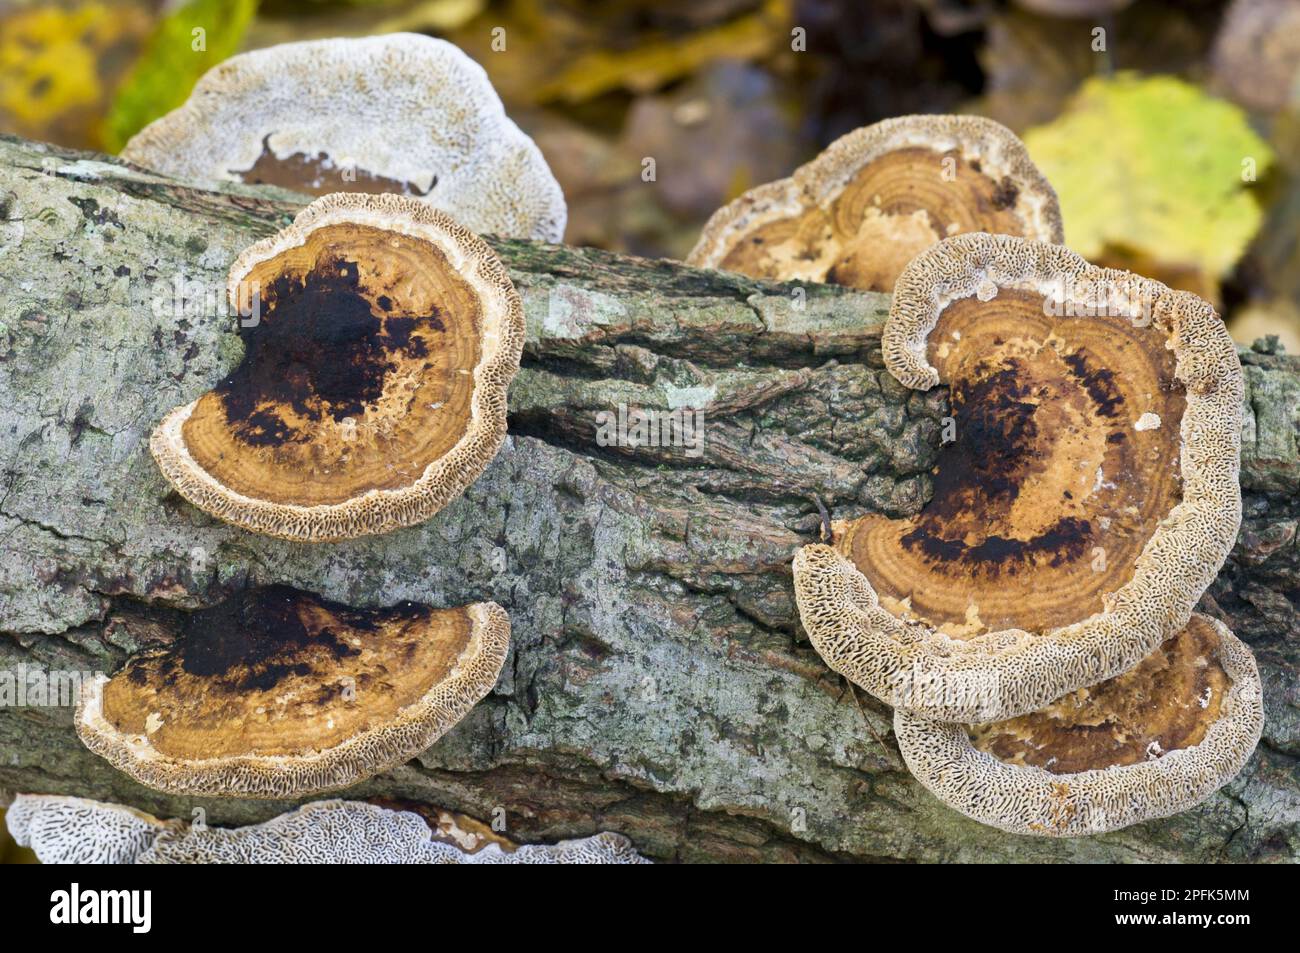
{"x":659,"y":682}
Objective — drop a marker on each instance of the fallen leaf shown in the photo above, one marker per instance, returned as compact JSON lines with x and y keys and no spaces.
{"x":654,"y":63}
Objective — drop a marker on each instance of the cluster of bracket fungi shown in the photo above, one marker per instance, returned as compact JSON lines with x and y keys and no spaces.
{"x":1032,"y":625}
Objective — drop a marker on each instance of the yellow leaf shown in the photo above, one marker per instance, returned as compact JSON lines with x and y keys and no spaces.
{"x":1154,"y":166}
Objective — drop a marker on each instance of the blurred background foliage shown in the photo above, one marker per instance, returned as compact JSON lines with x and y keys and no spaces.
{"x":1173,"y":137}
{"x":1169,"y":127}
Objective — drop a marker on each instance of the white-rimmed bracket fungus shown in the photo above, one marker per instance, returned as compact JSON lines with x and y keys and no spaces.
{"x":1155,"y":741}
{"x":277,"y":693}
{"x":1088,"y":497}
{"x":400,"y":113}
{"x":373,"y":385}
{"x":338,"y":832}
{"x":877,"y":197}
{"x":75,"y":830}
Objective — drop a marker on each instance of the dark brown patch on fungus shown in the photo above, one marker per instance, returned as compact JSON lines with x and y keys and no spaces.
{"x":279,"y":693}
{"x":1048,"y":493}
{"x":859,"y":212}
{"x":319,"y":174}
{"x":1154,"y":741}
{"x":1090,"y":497}
{"x":326,"y":348}
{"x":373,"y":384}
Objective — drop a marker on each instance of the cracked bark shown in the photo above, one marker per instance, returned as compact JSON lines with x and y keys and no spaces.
{"x":660,"y":684}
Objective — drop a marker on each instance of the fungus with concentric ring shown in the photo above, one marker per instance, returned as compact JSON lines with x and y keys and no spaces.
{"x":1155,"y":741}
{"x":77,"y":830}
{"x":372,"y":390}
{"x":877,"y":197}
{"x":400,"y":113}
{"x":278,"y":693}
{"x":1088,"y":498}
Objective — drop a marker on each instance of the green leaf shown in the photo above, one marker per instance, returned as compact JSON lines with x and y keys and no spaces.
{"x":185,"y":45}
{"x":1154,"y":166}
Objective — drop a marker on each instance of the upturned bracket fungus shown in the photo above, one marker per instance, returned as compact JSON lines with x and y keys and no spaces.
{"x":373,"y":385}
{"x":1152,"y":742}
{"x":76,"y":830}
{"x":73,"y":830}
{"x":878,"y":196}
{"x":401,"y":113}
{"x":278,"y":693}
{"x":1088,"y":498}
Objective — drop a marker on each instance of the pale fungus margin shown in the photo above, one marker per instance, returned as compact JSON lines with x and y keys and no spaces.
{"x":878,"y":196}
{"x":78,"y":830}
{"x":1155,"y":741}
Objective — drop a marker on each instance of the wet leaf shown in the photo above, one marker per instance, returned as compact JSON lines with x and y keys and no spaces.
{"x":713,"y":137}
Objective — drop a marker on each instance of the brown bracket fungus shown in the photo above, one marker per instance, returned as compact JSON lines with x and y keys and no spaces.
{"x":334,"y":832}
{"x":877,"y":197}
{"x":373,"y":385}
{"x":75,"y":830}
{"x":1152,"y":742}
{"x":400,"y":113}
{"x":1087,"y":499}
{"x":277,"y":693}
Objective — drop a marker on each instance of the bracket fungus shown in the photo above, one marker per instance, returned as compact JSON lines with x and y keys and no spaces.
{"x":878,"y":196}
{"x":400,"y":113}
{"x":373,"y":385}
{"x":75,"y":830}
{"x":1088,"y":498}
{"x":1152,"y":742}
{"x":278,"y":693}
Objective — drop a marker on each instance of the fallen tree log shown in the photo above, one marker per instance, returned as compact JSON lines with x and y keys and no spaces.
{"x":659,"y":682}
